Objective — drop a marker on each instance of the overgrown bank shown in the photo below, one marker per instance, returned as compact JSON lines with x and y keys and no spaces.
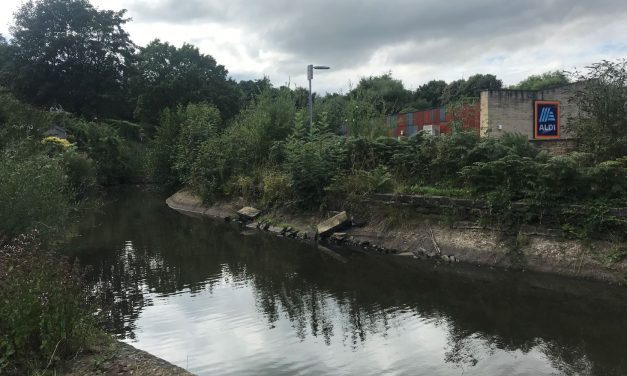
{"x":270,"y":156}
{"x":47,"y":311}
{"x":415,"y":232}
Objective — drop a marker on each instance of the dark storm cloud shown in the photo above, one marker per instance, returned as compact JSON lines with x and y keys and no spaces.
{"x":348,"y":32}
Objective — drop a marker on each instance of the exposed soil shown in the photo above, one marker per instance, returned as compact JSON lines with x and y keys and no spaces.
{"x":403,"y":232}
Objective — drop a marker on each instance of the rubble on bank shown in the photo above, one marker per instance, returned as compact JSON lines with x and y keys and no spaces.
{"x":429,"y":237}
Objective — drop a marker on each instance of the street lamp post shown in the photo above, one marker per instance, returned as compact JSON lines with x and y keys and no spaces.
{"x":310,"y":69}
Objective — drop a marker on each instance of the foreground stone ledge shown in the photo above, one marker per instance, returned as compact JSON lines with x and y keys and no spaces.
{"x":119,"y":358}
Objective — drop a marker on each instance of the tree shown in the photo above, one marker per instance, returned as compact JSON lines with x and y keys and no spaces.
{"x":5,"y":57}
{"x":68,"y":53}
{"x":602,"y":100}
{"x":453,"y":91}
{"x":543,"y":81}
{"x":470,"y":88}
{"x":479,"y":82}
{"x":168,"y":76}
{"x":334,"y":106}
{"x":388,"y":94}
{"x":430,"y":93}
{"x":252,"y":88}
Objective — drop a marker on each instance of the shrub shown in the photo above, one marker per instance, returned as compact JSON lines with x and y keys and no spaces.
{"x":609,"y":179}
{"x":103,"y":144}
{"x":56,"y":143}
{"x":79,"y":168}
{"x":81,"y":174}
{"x":162,"y":149}
{"x":242,"y":186}
{"x":32,"y":193}
{"x":244,"y":146}
{"x":512,"y":175}
{"x":276,"y":187}
{"x":312,"y":164}
{"x":19,"y":121}
{"x":198,"y":123}
{"x":357,"y":183}
{"x":43,"y":312}
{"x":601,"y":124}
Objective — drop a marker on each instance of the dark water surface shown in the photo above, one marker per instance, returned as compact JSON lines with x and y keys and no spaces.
{"x":208,"y":298}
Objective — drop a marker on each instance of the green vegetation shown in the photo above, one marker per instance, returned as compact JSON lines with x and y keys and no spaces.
{"x":602,"y":127}
{"x":280,"y":161}
{"x":197,"y":78}
{"x":173,"y":114}
{"x":61,"y":44}
{"x":543,"y":81}
{"x":45,"y":313}
{"x":44,"y":181}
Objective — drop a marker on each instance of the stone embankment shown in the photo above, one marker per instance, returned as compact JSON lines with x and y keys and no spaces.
{"x":416,"y":232}
{"x":119,"y":358}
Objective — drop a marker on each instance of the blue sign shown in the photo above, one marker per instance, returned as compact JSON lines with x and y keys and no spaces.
{"x":547,"y":119}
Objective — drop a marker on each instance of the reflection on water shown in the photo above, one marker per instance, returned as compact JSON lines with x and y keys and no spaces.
{"x":214,"y":301}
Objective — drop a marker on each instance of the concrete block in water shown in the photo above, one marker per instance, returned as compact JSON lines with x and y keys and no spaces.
{"x":332,"y":224}
{"x":249,"y":213}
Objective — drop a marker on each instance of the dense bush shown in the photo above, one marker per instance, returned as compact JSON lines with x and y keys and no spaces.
{"x":276,"y":187}
{"x":33,"y":193}
{"x":312,"y":163}
{"x":198,"y":123}
{"x":19,"y":122}
{"x":44,"y":315}
{"x":601,"y":125}
{"x":162,"y":148}
{"x":358,"y":183}
{"x":116,"y":159}
{"x":81,"y":174}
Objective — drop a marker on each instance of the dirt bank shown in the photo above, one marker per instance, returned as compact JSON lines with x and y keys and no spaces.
{"x":404,"y":233}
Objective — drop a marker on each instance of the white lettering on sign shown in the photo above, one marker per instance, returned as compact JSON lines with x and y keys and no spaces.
{"x":547,"y":127}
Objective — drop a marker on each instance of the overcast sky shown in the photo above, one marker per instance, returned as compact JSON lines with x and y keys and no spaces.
{"x":417,"y":40}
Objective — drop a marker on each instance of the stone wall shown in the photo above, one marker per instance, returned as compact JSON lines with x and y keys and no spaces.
{"x":556,"y":146}
{"x":512,"y":111}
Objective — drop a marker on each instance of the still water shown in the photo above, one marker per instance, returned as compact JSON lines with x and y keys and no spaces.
{"x":218,"y":301}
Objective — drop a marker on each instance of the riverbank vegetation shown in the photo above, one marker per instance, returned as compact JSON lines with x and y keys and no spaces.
{"x":172,"y":115}
{"x":268,"y":154}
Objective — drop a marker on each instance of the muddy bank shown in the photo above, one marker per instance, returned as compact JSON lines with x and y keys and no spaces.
{"x":403,"y":233}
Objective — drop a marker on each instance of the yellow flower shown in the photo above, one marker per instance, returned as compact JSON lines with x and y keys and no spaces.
{"x":63,"y":143}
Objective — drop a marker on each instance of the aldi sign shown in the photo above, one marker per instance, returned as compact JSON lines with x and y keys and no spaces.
{"x":547,"y":119}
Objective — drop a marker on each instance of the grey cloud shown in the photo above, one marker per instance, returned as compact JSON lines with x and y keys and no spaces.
{"x":345,"y":33}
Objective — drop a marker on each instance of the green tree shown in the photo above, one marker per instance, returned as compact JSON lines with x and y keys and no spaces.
{"x":252,"y":88}
{"x":334,"y":106}
{"x":68,"y":53}
{"x":200,"y":123}
{"x":601,"y":126}
{"x":5,"y":57}
{"x":167,"y":76}
{"x":470,"y":88}
{"x":430,"y":93}
{"x":364,"y":118}
{"x":388,"y":94}
{"x":478,"y":82}
{"x":543,"y":81}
